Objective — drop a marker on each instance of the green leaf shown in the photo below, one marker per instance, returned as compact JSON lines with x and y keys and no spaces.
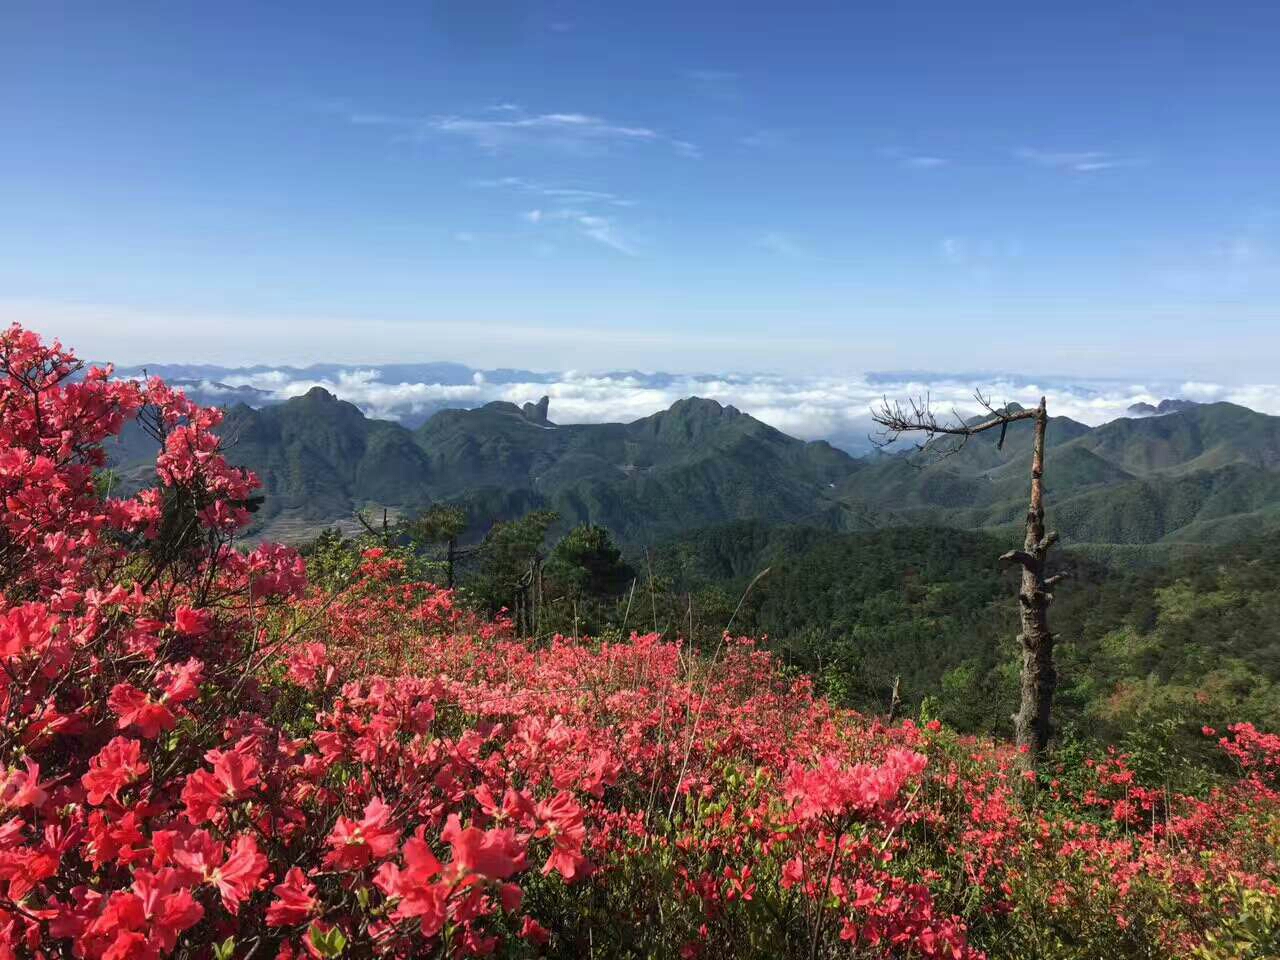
{"x":328,"y":943}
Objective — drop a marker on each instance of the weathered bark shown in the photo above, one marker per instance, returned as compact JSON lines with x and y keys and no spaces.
{"x":1032,"y":726}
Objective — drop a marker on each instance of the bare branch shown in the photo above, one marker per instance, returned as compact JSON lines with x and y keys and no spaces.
{"x":918,"y":417}
{"x":369,"y":528}
{"x":1020,"y":557}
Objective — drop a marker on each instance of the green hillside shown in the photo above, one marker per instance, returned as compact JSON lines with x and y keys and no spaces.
{"x":1197,"y":639}
{"x":699,"y":462}
{"x":1205,"y":474}
{"x":320,"y":457}
{"x":1200,"y":438}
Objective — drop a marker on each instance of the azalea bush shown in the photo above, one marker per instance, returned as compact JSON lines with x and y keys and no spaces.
{"x":203,"y":754}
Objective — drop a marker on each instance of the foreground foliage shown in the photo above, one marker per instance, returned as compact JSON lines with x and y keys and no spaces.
{"x":203,"y":756}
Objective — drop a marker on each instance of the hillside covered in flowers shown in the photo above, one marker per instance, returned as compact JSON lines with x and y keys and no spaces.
{"x":204,"y":754}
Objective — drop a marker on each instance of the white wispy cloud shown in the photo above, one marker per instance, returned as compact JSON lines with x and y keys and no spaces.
{"x":604,"y":230}
{"x":1078,"y":161}
{"x":592,"y":226}
{"x":916,"y":160}
{"x":565,"y":194}
{"x":586,"y":196}
{"x":582,"y":213}
{"x":507,"y":125}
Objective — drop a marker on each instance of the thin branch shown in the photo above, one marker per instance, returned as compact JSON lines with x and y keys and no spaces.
{"x":919,"y":417}
{"x":1021,"y":557}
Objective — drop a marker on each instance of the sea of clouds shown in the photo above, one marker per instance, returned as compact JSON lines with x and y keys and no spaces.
{"x":831,"y":408}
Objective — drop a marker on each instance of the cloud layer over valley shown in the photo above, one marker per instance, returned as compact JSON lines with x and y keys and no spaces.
{"x":814,"y":408}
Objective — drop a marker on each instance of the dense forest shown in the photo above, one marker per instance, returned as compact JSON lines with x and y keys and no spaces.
{"x":1142,"y":651}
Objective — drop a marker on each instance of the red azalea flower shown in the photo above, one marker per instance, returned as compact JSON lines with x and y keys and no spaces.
{"x":135,"y":708}
{"x":295,"y":900}
{"x":190,"y":622}
{"x":534,"y":931}
{"x":494,"y":854}
{"x":354,"y":845}
{"x":415,"y":887}
{"x":115,"y":766}
{"x":234,"y":775}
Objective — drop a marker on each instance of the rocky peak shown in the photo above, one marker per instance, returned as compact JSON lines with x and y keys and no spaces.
{"x":1159,"y":410}
{"x":537,"y":412}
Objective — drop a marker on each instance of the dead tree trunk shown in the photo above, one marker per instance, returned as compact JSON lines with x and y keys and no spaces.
{"x":895,"y":703}
{"x":1032,"y":724}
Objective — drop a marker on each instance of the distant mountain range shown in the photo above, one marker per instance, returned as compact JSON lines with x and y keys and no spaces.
{"x":814,"y":406}
{"x":257,"y":385}
{"x":1199,"y":473}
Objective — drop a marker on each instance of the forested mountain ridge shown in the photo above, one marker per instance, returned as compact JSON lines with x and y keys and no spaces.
{"x":1204,"y":474}
{"x":1201,"y":474}
{"x":699,"y":462}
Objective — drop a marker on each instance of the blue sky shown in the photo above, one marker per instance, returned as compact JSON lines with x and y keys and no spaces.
{"x":810,"y":187}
